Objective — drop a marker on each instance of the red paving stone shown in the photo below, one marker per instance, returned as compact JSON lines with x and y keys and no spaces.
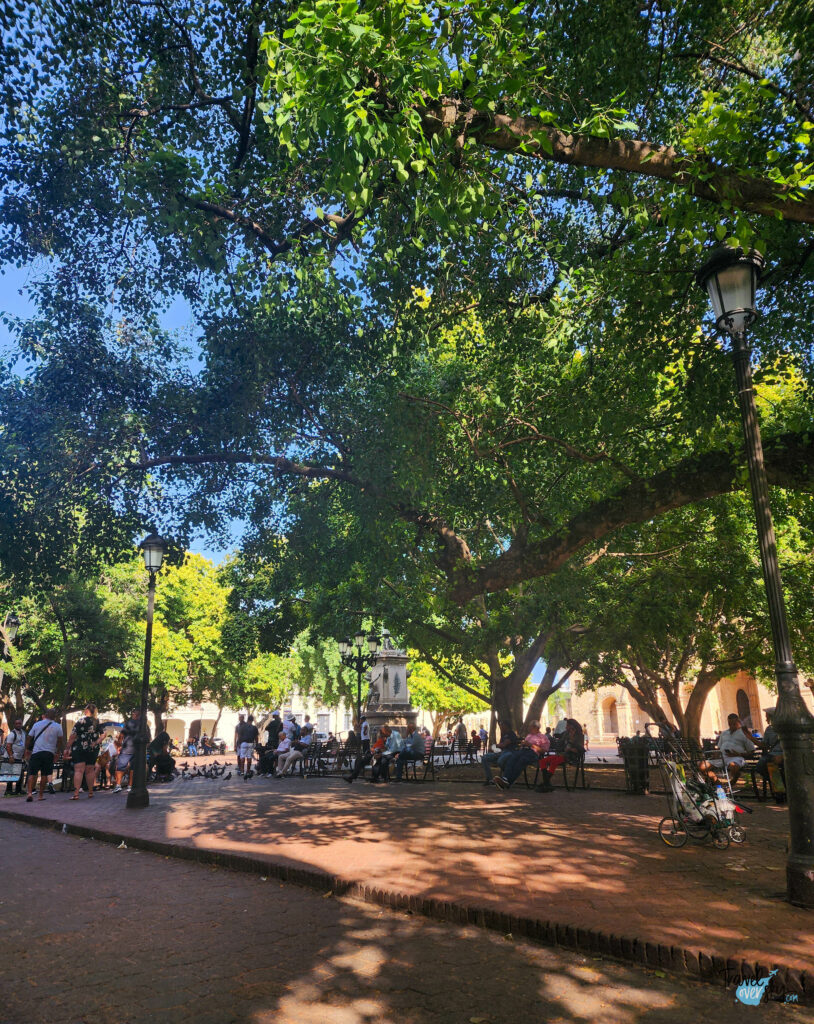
{"x":589,"y":859}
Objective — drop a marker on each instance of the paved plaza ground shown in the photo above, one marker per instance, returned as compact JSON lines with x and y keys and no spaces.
{"x":587,"y":859}
{"x":93,"y":934}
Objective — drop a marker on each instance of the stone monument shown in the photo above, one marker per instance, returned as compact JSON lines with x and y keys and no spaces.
{"x":388,"y":699}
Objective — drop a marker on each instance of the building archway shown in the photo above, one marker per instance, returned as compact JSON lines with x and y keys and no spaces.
{"x":744,"y":708}
{"x":610,"y":717}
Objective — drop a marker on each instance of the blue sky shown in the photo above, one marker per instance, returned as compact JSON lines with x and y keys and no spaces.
{"x":178,"y":317}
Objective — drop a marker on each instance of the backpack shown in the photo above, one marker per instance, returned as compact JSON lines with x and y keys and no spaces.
{"x":297,"y":731}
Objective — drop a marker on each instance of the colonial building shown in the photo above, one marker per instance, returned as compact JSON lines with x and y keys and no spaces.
{"x":611,"y":711}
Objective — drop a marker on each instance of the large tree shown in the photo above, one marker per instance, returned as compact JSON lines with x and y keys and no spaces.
{"x":440,"y":261}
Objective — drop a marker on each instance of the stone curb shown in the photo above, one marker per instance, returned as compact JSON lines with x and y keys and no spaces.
{"x":697,"y":964}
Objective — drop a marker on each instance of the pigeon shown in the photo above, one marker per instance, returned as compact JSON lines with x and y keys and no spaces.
{"x":229,"y":776}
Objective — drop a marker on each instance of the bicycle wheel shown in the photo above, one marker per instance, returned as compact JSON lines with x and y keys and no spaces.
{"x":720,"y":838}
{"x":737,"y":833}
{"x":673,"y":832}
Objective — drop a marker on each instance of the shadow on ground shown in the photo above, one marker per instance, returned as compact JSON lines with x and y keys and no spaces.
{"x":133,"y":938}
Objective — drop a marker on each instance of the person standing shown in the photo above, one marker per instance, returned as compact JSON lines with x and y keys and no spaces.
{"x":247,"y":736}
{"x":364,"y":735}
{"x":15,"y":748}
{"x":461,"y":738}
{"x":41,"y":745}
{"x":275,"y":727}
{"x":129,"y":734}
{"x":585,"y":736}
{"x":84,"y":743}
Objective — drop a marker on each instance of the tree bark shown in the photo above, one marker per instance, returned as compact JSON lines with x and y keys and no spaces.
{"x":508,"y":701}
{"x":548,"y":685}
{"x":700,"y":176}
{"x":704,"y":685}
{"x":791,"y":464}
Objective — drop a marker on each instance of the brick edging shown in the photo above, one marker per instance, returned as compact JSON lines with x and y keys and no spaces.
{"x":696,"y":964}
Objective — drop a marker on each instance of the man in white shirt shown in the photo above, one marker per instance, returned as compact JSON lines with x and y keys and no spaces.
{"x":43,"y":742}
{"x":287,"y":757}
{"x":735,"y":744}
{"x":364,"y":735}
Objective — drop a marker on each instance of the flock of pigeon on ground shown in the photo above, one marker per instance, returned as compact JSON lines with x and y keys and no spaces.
{"x":206,"y":771}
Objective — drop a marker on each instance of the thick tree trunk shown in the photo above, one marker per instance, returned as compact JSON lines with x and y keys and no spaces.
{"x":508,"y":701}
{"x":548,"y":685}
{"x":653,"y":708}
{"x":704,"y":685}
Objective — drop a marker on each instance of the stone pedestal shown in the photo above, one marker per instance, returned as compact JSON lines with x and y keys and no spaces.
{"x":388,"y":699}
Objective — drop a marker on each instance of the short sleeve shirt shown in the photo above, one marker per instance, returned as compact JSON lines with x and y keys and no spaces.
{"x":17,"y":740}
{"x":538,"y":740}
{"x":46,"y":736}
{"x":130,"y":731}
{"x":736,"y":744}
{"x":88,"y":736}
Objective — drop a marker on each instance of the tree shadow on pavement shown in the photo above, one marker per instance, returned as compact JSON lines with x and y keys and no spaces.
{"x":135,"y":938}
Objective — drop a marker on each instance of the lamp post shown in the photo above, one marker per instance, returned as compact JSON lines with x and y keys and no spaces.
{"x":352,"y":654}
{"x":10,"y":627}
{"x":730,"y":277}
{"x":153,"y":548}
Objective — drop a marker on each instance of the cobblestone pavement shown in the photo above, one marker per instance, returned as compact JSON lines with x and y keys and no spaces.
{"x":98,"y":935}
{"x":588,"y":859}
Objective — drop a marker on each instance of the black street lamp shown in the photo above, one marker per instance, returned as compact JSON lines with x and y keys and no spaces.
{"x":360,"y":661}
{"x":10,"y":627}
{"x":730,"y":277}
{"x":153,"y":548}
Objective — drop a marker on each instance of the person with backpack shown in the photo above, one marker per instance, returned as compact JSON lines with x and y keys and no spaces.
{"x":43,"y":743}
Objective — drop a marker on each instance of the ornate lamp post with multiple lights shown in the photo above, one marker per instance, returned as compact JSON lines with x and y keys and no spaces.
{"x":730,"y":277}
{"x":153,"y":548}
{"x":354,"y":656}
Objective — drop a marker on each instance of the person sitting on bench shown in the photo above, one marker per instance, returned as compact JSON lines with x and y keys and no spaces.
{"x":509,"y":742}
{"x":533,"y":747}
{"x":413,"y":750}
{"x":735,"y":744}
{"x":367,"y":756}
{"x":772,"y":756}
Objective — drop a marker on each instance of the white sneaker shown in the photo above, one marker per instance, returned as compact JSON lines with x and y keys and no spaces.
{"x":118,"y":789}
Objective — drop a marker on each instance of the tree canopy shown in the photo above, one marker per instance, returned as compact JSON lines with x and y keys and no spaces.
{"x":440,"y":261}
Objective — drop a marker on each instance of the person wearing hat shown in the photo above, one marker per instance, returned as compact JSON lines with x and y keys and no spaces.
{"x":772,"y":753}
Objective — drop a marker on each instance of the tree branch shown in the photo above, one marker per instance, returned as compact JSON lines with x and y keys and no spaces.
{"x":702,"y":177}
{"x":789,"y":463}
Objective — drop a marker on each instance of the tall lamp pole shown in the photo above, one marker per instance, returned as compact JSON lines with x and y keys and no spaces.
{"x":153,"y":548}
{"x":730,"y":277}
{"x":352,"y":654}
{"x":10,"y":626}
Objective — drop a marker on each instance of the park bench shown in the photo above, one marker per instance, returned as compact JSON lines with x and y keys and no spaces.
{"x":577,"y":764}
{"x":13,"y":772}
{"x":425,"y":763}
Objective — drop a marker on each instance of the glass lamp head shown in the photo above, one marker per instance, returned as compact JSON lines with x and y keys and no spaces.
{"x":12,"y":625}
{"x":153,"y":549}
{"x":730,"y":277}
